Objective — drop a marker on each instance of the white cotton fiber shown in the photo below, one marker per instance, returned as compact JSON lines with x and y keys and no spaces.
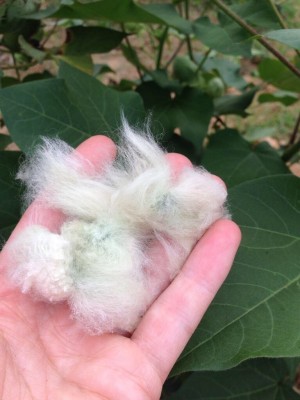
{"x":128,"y":229}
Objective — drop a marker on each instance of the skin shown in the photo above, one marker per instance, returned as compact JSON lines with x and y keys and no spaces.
{"x":45,"y":355}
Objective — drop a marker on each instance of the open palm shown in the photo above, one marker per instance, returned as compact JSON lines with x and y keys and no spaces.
{"x":45,"y":355}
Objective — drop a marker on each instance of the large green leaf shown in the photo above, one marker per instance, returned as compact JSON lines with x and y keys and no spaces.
{"x":92,"y":39}
{"x":260,"y":379}
{"x":190,"y":111}
{"x":126,"y":11}
{"x":9,"y":193}
{"x":256,"y":312}
{"x":290,"y":37}
{"x":235,"y":160}
{"x":274,"y":72}
{"x":227,"y":37}
{"x":73,"y":108}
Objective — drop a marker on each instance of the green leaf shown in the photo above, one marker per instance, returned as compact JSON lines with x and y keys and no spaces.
{"x":84,"y":62}
{"x":13,"y":29}
{"x":158,"y":103}
{"x":230,"y":71}
{"x":256,"y":312}
{"x":227,"y":38}
{"x":190,"y":111}
{"x":277,"y":74}
{"x":9,"y":193}
{"x":234,"y":104}
{"x":37,"y":76}
{"x":8,"y":81}
{"x":258,"y":13}
{"x":5,"y":140}
{"x":42,"y":14}
{"x":284,"y":97}
{"x":92,"y":39}
{"x":260,"y":379}
{"x":235,"y":160}
{"x":126,"y":11}
{"x":73,"y":108}
{"x":168,"y":15}
{"x":290,"y":37}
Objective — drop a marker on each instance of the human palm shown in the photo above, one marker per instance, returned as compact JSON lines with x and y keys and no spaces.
{"x":45,"y":355}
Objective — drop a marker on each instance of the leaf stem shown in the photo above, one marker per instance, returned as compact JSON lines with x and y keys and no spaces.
{"x":252,"y":31}
{"x":49,"y":34}
{"x":291,"y":151}
{"x":187,"y":37}
{"x":177,"y":50}
{"x":161,"y":46}
{"x":202,"y":62}
{"x":277,"y":13}
{"x":280,"y":19}
{"x":137,"y":66}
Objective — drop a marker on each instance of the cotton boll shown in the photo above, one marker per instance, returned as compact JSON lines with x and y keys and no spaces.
{"x":110,"y":287}
{"x":127,"y":233}
{"x":57,"y":175}
{"x":40,"y":264}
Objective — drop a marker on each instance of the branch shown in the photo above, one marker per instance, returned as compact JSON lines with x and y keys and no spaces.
{"x":252,"y":31}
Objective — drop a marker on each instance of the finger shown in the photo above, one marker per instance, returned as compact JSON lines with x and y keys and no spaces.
{"x":173,"y":317}
{"x":98,"y":150}
{"x":160,"y":277}
{"x":178,"y":162}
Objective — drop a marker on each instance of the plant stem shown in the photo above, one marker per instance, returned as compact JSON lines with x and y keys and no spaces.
{"x":161,"y":46}
{"x":278,"y":15}
{"x":291,"y":151}
{"x":49,"y":34}
{"x":202,"y":62}
{"x":280,"y":19}
{"x":188,"y":39}
{"x":262,"y":40}
{"x":137,"y":66}
{"x":295,"y":131}
{"x":177,"y":50}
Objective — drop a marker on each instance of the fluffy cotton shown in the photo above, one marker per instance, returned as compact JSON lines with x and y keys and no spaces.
{"x":127,"y":232}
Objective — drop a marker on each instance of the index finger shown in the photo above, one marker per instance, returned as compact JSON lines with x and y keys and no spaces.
{"x":171,"y":320}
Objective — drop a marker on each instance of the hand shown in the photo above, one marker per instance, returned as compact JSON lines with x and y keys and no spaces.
{"x":44,"y":355}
